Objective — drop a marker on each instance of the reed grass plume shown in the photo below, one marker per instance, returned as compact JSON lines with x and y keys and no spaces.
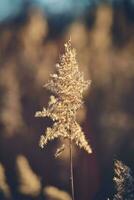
{"x":29,"y":182}
{"x":67,"y":85}
{"x":4,"y":187}
{"x":53,"y":193}
{"x":124,"y":182}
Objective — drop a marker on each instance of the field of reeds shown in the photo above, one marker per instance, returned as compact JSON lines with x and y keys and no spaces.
{"x":30,"y":47}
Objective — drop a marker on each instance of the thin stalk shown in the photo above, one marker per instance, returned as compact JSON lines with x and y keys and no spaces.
{"x":71,"y":170}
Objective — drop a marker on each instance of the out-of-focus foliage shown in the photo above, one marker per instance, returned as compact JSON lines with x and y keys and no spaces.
{"x":28,"y":52}
{"x":11,"y":113}
{"x":4,"y":187}
{"x":29,"y":182}
{"x":54,"y":193}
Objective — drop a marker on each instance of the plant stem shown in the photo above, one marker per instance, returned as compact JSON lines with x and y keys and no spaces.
{"x":71,"y":170}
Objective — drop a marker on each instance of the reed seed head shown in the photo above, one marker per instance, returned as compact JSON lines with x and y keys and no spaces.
{"x":67,"y":85}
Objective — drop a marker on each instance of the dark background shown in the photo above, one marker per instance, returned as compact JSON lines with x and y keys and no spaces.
{"x":32,"y":34}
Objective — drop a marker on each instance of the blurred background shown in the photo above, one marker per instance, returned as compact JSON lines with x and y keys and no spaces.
{"x":32,"y":36}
